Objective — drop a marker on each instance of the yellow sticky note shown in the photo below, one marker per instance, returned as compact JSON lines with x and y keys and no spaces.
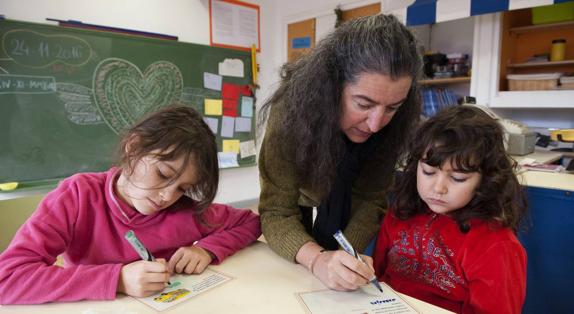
{"x":231,"y":146}
{"x":213,"y":107}
{"x":9,"y":186}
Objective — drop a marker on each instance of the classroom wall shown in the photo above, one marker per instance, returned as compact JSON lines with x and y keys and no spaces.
{"x":187,"y":19}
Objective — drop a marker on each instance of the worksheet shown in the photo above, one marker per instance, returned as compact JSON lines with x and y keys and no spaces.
{"x":184,"y":287}
{"x":367,"y":299}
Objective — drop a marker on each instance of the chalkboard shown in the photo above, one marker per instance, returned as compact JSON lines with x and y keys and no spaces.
{"x":66,"y":94}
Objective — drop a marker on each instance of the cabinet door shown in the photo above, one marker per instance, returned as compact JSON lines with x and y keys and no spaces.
{"x":300,"y":39}
{"x":549,"y":244}
{"x":485,"y":82}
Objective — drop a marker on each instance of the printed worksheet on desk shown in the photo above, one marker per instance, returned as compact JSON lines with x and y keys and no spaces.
{"x":367,"y":299}
{"x":184,"y":287}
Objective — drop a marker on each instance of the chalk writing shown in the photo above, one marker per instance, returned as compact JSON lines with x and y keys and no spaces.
{"x":25,"y":84}
{"x":34,"y":49}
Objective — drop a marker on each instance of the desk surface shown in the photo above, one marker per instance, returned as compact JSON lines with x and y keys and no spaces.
{"x":548,"y":180}
{"x":541,"y":156}
{"x":263,"y":283}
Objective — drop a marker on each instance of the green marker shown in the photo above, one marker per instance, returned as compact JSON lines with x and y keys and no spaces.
{"x":139,"y":247}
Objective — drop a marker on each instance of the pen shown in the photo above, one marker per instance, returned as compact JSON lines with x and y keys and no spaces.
{"x":139,"y":247}
{"x":344,"y":243}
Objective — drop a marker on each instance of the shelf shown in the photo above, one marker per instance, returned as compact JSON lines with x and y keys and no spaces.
{"x":442,"y":81}
{"x":532,"y":28}
{"x":540,"y":64}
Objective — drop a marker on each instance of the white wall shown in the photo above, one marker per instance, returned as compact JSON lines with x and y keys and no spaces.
{"x":187,"y":19}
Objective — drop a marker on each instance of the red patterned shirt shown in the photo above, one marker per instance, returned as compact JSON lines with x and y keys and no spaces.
{"x":429,"y":258}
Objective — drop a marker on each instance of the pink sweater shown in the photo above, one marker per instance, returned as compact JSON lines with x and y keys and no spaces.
{"x":85,"y":220}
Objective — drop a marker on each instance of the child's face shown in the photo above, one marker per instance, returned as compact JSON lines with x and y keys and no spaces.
{"x":149,"y":189}
{"x":445,"y":190}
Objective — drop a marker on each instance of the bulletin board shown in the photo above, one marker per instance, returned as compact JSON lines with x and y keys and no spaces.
{"x":66,"y":94}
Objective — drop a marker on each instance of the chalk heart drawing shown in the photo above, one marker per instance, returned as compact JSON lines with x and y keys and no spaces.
{"x":123,"y":93}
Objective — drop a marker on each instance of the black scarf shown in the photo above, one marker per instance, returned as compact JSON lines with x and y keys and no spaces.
{"x":334,"y":211}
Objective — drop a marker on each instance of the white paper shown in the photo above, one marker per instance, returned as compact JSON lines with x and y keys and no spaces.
{"x":184,"y":287}
{"x":247,"y":106}
{"x":212,"y":123}
{"x":247,"y":149}
{"x":367,"y":299}
{"x":242,"y":124}
{"x":234,"y":24}
{"x":227,"y":124}
{"x":227,"y":159}
{"x":212,"y":81}
{"x":231,"y":67}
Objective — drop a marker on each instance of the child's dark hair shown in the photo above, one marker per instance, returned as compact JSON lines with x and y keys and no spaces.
{"x":176,"y":131}
{"x":472,"y":141}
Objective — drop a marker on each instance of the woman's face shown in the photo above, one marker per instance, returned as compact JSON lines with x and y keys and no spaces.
{"x":369,"y":104}
{"x":151,"y":187}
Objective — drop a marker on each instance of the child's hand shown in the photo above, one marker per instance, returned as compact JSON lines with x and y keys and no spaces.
{"x":189,"y":260}
{"x":143,"y":278}
{"x":339,"y":270}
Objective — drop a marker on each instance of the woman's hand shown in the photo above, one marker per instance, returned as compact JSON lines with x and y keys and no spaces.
{"x":143,"y":278}
{"x":338,"y":270}
{"x":189,"y":260}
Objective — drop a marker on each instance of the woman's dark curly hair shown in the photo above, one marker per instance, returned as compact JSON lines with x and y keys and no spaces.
{"x":306,"y":108}
{"x":473,"y":142}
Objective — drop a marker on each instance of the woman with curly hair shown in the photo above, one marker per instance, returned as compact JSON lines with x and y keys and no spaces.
{"x":449,"y":237}
{"x":335,"y":128}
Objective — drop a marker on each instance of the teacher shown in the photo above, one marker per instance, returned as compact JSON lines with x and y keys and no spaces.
{"x":335,"y":128}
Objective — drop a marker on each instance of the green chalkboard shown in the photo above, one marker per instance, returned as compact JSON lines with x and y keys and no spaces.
{"x":66,"y":94}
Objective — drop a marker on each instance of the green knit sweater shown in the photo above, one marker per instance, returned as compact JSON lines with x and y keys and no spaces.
{"x":282,"y":192}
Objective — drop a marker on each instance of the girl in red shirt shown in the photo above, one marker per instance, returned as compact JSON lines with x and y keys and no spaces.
{"x":449,"y":238}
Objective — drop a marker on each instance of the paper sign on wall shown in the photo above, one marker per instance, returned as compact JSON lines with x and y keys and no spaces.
{"x":227,"y":159}
{"x":231,"y":67}
{"x":212,"y":81}
{"x":212,"y":123}
{"x":247,"y":106}
{"x":227,"y":124}
{"x":231,"y":146}
{"x":242,"y":124}
{"x":213,"y":107}
{"x":247,"y":149}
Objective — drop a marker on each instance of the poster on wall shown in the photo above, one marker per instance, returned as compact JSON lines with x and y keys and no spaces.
{"x":234,"y":24}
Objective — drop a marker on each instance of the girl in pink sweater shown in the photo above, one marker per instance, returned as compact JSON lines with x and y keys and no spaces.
{"x":449,"y":238}
{"x":162,"y":190}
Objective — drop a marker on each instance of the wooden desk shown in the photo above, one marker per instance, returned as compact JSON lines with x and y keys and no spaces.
{"x":263,"y":283}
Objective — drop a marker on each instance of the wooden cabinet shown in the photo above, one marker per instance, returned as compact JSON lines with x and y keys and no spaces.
{"x":520,"y":41}
{"x":503,"y":42}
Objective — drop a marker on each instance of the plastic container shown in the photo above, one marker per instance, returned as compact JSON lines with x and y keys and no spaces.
{"x":553,"y":13}
{"x":527,"y":82}
{"x":558,"y":50}
{"x":566,"y":135}
{"x":567,"y":82}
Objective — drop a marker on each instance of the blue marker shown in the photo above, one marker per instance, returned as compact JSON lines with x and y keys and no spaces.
{"x":139,"y":247}
{"x":344,"y":243}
